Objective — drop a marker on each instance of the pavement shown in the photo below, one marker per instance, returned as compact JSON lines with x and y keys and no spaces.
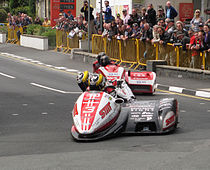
{"x":62,"y":61}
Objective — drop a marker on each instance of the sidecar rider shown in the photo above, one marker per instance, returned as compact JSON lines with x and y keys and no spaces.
{"x":97,"y":82}
{"x":102,"y":60}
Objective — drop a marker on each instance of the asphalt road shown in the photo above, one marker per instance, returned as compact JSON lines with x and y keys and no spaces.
{"x":35,"y":122}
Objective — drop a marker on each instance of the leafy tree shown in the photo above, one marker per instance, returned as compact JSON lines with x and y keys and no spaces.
{"x":32,"y":7}
{"x":13,"y":4}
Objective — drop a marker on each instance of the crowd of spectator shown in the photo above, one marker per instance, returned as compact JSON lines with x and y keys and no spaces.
{"x":23,"y":19}
{"x":146,"y":25}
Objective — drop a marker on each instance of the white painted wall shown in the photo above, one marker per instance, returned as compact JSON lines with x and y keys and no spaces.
{"x":34,"y":42}
{"x":2,"y":38}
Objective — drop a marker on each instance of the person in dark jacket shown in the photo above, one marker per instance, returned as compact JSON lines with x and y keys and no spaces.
{"x":151,"y":15}
{"x":207,"y":36}
{"x":84,"y":10}
{"x":134,"y":18}
{"x":108,"y":13}
{"x":170,"y":11}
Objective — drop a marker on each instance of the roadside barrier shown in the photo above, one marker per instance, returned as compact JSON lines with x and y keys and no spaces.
{"x":136,"y":53}
{"x":14,"y":33}
{"x":65,"y":43}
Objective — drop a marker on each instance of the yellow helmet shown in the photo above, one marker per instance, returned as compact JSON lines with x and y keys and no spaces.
{"x":82,"y":80}
{"x":96,"y":82}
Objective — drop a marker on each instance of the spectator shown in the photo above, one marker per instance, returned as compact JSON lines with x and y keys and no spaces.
{"x":37,"y":21}
{"x":46,"y":22}
{"x":161,"y":23}
{"x":146,"y":33}
{"x":207,"y":36}
{"x":112,"y":30}
{"x":169,"y":26}
{"x":146,"y":37}
{"x":128,"y":33}
{"x":186,"y":40}
{"x":63,"y":13}
{"x":108,"y":13}
{"x":126,"y":17}
{"x":170,"y":11}
{"x":195,"y":46}
{"x":143,"y":13}
{"x":134,"y":18}
{"x":136,"y":31}
{"x":70,"y":16}
{"x":151,"y":15}
{"x":197,"y":19}
{"x":84,"y":10}
{"x":156,"y":37}
{"x":164,"y":36}
{"x":180,"y":27}
{"x":106,"y":29}
{"x":160,"y":14}
{"x":97,"y":22}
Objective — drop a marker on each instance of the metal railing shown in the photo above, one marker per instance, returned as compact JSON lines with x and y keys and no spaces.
{"x":136,"y":53}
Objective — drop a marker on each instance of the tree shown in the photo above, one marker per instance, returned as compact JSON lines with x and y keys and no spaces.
{"x":32,"y":7}
{"x":13,"y":4}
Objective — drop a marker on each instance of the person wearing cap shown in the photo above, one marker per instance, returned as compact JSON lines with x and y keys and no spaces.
{"x":126,"y":17}
{"x":136,"y":31}
{"x":84,"y":10}
{"x":107,"y":13}
{"x":197,"y":19}
{"x":151,"y":15}
{"x":160,"y":14}
{"x":170,"y":11}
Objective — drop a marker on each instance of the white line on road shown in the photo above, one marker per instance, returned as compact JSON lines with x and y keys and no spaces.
{"x":48,"y":88}
{"x":45,"y":113}
{"x":15,"y":114}
{"x":53,"y":89}
{"x":6,"y":75}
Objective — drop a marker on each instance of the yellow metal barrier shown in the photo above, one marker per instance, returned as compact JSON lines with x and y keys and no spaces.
{"x":72,"y":43}
{"x":58,"y":39}
{"x":10,"y":34}
{"x":111,"y":48}
{"x":207,"y":60}
{"x":97,"y":44}
{"x":13,"y":34}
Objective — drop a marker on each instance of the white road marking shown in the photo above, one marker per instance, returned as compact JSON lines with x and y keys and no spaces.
{"x":202,"y":103}
{"x":25,"y":104}
{"x":6,"y":75}
{"x":182,"y":111}
{"x":48,"y":88}
{"x":176,"y":89}
{"x":15,"y":114}
{"x":51,"y":103}
{"x":68,"y":92}
{"x":44,"y":113}
{"x":72,"y":70}
{"x":208,"y":110}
